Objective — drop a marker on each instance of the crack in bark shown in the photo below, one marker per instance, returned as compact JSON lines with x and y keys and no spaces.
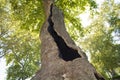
{"x":98,"y":77}
{"x":65,"y":52}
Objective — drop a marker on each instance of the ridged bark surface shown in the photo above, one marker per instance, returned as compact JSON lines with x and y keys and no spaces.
{"x":61,"y":58}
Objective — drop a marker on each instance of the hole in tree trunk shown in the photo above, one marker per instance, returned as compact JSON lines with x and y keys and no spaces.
{"x":65,"y":52}
{"x":98,"y":77}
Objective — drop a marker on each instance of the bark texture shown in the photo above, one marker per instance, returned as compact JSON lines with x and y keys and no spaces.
{"x":61,"y":58}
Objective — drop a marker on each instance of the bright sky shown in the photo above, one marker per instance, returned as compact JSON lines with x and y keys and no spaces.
{"x":2,"y":69}
{"x":85,"y":16}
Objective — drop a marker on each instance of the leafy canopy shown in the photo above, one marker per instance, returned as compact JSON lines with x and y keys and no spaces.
{"x":103,"y":39}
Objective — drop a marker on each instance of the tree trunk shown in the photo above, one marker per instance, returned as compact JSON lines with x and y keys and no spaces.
{"x":61,"y":58}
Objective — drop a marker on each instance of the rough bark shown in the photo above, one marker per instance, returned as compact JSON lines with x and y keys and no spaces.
{"x":61,"y":58}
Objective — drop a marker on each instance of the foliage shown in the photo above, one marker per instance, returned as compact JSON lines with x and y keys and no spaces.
{"x":19,"y":47}
{"x":29,"y":12}
{"x":74,"y":8}
{"x":22,"y":55}
{"x":103,"y":40}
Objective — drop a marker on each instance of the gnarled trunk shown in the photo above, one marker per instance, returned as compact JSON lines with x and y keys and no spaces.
{"x":61,"y":58}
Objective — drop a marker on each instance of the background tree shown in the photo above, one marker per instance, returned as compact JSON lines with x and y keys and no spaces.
{"x":19,"y":47}
{"x":103,"y":39}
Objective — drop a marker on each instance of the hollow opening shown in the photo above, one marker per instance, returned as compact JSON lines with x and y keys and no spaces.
{"x":98,"y":77}
{"x":65,"y":52}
